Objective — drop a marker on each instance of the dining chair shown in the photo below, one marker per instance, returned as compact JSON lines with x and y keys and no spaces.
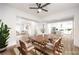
{"x":25,"y":48}
{"x":57,"y":47}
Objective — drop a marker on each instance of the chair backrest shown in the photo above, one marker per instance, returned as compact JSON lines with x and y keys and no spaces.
{"x":22,"y":44}
{"x":23,"y":47}
{"x":56,"y":44}
{"x":60,"y":39}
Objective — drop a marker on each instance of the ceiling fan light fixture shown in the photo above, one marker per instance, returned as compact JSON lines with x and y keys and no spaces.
{"x":39,"y":10}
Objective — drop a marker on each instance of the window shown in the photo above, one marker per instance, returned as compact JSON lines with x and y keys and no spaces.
{"x":64,"y":26}
{"x":25,"y":25}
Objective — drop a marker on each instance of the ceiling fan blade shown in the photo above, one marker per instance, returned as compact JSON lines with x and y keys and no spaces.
{"x":45,"y":10}
{"x":45,"y":5}
{"x":33,"y":7}
{"x":37,"y":4}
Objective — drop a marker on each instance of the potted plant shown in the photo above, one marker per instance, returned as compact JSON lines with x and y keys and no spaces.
{"x":4,"y":35}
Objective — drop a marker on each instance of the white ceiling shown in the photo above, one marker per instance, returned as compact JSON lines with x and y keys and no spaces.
{"x":52,"y":8}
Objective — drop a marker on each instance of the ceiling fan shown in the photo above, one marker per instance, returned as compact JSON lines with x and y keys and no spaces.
{"x":40,"y":7}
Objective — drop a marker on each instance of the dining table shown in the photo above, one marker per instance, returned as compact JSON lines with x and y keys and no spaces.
{"x":40,"y":39}
{"x":43,"y":43}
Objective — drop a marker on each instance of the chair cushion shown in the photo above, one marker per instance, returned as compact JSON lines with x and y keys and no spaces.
{"x":16,"y":51}
{"x":30,"y":48}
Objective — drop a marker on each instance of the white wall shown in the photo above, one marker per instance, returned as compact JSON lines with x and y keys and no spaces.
{"x":76,"y":28}
{"x":8,"y":16}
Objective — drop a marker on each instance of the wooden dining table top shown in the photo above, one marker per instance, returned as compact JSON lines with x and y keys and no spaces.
{"x":40,"y":38}
{"x":45,"y":38}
